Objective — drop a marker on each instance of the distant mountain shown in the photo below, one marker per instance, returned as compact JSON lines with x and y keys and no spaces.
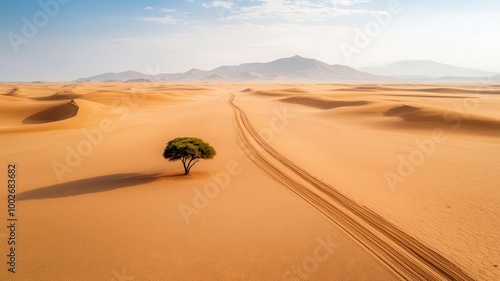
{"x":424,"y":69}
{"x":141,"y":80}
{"x":251,"y":75}
{"x":294,"y":68}
{"x":111,"y":76}
{"x":299,"y":69}
{"x":215,"y":77}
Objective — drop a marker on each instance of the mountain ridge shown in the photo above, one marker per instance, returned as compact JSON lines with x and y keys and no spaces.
{"x":301,"y":69}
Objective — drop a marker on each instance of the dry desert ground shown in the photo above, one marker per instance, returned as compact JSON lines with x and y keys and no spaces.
{"x":310,"y":182}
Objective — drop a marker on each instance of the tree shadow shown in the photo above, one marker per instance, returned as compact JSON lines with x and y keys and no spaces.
{"x":89,"y":185}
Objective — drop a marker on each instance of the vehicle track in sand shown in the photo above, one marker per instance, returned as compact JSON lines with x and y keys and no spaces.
{"x":406,"y":256}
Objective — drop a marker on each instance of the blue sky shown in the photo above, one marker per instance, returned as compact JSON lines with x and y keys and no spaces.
{"x":80,"y":38}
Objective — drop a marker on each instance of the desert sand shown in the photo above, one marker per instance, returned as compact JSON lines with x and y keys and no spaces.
{"x":310,"y":181}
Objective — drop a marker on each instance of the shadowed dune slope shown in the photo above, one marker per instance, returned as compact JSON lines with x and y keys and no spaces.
{"x":401,"y":89}
{"x":397,"y":114}
{"x":323,"y":103}
{"x":247,"y":90}
{"x":391,"y":115}
{"x":42,"y":116}
{"x":278,"y":92}
{"x":13,"y":92}
{"x":440,"y":116}
{"x":53,"y":114}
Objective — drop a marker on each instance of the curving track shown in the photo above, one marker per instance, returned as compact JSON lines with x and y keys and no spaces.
{"x":406,"y":256}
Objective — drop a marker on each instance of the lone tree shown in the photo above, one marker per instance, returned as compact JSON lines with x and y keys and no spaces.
{"x":189,"y":151}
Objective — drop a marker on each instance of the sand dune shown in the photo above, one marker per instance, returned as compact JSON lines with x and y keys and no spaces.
{"x":295,"y":90}
{"x":368,"y":88}
{"x":272,"y":93}
{"x":53,"y":114}
{"x":447,"y":90}
{"x":64,"y":95}
{"x":409,"y":113}
{"x":311,"y":158}
{"x":470,"y":89}
{"x":133,"y":97}
{"x":419,"y":116}
{"x":13,"y":92}
{"x":280,"y":92}
{"x":323,"y":103}
{"x":42,"y":116}
{"x":439,"y":117}
{"x":403,"y":89}
{"x":14,"y":109}
{"x":424,"y":95}
{"x":183,"y":88}
{"x":12,"y":98}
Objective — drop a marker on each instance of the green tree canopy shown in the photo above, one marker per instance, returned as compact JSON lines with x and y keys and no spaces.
{"x":189,"y":150}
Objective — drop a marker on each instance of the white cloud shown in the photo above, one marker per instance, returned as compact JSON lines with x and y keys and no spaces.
{"x":297,"y":10}
{"x":348,"y":2}
{"x":167,"y":19}
{"x":168,"y":10}
{"x":219,"y":4}
{"x":303,"y":11}
{"x":171,"y":17}
{"x":149,"y":8}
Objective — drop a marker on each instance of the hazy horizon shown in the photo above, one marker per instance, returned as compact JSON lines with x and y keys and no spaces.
{"x":69,"y":39}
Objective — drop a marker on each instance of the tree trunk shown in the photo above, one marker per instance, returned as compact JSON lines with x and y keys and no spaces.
{"x":186,"y":167}
{"x":189,"y":165}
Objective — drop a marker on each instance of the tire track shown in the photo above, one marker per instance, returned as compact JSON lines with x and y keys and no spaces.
{"x":406,"y":256}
